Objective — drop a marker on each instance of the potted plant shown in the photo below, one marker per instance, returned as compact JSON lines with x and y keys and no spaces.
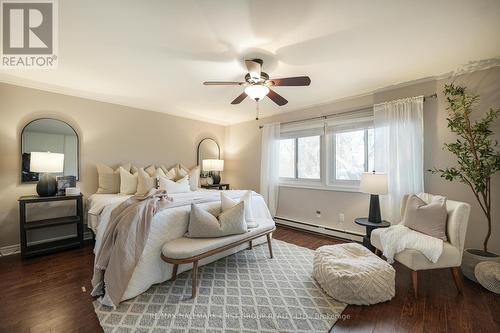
{"x":477,"y":161}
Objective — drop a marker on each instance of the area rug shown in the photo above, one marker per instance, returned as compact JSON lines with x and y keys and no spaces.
{"x":245,"y":292}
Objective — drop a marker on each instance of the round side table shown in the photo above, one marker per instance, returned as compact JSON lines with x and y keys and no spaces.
{"x":370,"y":226}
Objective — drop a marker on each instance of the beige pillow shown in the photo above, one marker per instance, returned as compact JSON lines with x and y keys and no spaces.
{"x":194,"y":175}
{"x":151,"y":170}
{"x":429,"y":219}
{"x":128,"y":182}
{"x":109,"y":179}
{"x":202,"y":224}
{"x":145,"y":182}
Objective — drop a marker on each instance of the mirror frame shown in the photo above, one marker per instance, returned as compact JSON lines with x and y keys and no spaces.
{"x":21,"y":148}
{"x":198,"y":150}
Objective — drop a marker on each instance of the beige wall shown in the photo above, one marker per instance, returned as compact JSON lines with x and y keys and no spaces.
{"x":108,"y":133}
{"x":243,"y":157}
{"x":112,"y":134}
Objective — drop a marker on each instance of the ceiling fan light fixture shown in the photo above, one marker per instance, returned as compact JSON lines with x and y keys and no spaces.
{"x":257,"y":91}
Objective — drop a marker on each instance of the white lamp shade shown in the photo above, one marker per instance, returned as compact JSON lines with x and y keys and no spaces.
{"x":257,"y":91}
{"x":373,"y":183}
{"x":213,"y":165}
{"x":46,"y":162}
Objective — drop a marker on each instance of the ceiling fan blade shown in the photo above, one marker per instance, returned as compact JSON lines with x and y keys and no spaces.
{"x":240,"y":98}
{"x":223,"y":83}
{"x":291,"y":81}
{"x":276,"y":98}
{"x":254,"y":68}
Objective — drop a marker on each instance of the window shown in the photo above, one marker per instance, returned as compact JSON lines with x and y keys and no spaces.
{"x":327,"y":153}
{"x":351,"y":155}
{"x":300,"y":158}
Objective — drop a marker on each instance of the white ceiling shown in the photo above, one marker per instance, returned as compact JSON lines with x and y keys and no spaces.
{"x":156,"y":54}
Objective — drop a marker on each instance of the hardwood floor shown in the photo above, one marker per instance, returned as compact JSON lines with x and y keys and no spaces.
{"x":44,"y":294}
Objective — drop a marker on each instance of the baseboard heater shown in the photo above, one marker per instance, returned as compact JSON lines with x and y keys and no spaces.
{"x":320,"y":229}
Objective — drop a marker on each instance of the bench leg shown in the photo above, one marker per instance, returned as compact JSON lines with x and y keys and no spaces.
{"x":270,"y":245}
{"x":250,"y":245}
{"x":193,"y":278}
{"x":174,"y":272}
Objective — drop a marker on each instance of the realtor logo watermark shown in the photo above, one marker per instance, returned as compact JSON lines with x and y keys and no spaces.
{"x":29,"y":34}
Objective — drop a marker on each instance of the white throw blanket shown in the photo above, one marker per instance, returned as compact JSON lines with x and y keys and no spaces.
{"x":398,"y":238}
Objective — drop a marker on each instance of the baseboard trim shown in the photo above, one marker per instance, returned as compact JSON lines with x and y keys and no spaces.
{"x":16,"y":248}
{"x":320,"y":229}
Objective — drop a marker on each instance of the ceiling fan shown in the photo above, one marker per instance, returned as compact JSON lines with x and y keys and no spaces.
{"x":258,"y":84}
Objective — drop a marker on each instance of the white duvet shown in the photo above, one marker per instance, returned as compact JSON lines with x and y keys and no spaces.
{"x":167,"y":225}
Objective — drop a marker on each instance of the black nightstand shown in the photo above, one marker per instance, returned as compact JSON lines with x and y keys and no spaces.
{"x":370,"y":226}
{"x":51,"y":246}
{"x":216,"y":186}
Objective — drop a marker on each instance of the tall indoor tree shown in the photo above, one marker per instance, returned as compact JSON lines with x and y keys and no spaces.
{"x":475,"y":150}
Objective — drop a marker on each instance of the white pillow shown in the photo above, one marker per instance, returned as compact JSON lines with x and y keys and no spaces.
{"x":145,"y":182}
{"x":109,"y":179}
{"x":227,"y":203}
{"x":128,"y":182}
{"x":180,"y":186}
{"x":170,"y":174}
{"x":194,"y":175}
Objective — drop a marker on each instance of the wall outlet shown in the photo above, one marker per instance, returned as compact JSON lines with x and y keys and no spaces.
{"x":341,"y":217}
{"x":318,"y":213}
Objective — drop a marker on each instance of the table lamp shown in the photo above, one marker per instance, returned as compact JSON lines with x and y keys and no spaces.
{"x":46,"y":163}
{"x":374,"y":184}
{"x":212,"y":165}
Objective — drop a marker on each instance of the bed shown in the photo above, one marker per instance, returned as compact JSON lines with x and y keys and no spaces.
{"x":167,"y":225}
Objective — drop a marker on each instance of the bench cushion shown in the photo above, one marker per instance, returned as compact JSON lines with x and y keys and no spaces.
{"x":185,"y":247}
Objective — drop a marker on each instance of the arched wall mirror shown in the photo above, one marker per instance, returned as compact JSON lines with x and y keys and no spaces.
{"x":49,"y":135}
{"x":208,"y":148}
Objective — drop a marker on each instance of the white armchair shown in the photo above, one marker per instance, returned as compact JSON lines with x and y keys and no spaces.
{"x":456,"y":227}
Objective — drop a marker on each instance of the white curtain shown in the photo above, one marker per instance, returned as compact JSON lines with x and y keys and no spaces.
{"x":269,"y":165}
{"x":399,"y":148}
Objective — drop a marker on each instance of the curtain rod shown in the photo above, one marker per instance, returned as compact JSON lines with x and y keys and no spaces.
{"x":338,"y":113}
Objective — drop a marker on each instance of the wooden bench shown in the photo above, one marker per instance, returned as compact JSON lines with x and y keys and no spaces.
{"x":213,"y":243}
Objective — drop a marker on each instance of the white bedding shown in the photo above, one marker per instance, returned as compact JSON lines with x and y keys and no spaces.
{"x":167,"y":225}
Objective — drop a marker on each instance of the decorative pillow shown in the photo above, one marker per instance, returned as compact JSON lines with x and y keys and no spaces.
{"x":194,"y":175}
{"x":227,"y":203}
{"x":202,"y":224}
{"x":109,"y":179}
{"x":180,"y":186}
{"x":145,"y":182}
{"x":128,"y":182}
{"x":150,"y":170}
{"x":170,"y":174}
{"x":429,"y":219}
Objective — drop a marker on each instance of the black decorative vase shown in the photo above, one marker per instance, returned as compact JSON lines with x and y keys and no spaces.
{"x":47,"y":185}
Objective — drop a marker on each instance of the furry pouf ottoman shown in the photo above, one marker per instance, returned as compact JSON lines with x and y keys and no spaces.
{"x":488,"y":275}
{"x":352,"y":274}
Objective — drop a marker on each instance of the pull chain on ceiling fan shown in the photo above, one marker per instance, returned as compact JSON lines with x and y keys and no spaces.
{"x":257,"y":84}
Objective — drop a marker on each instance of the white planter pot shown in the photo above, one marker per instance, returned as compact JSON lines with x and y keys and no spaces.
{"x":471,"y":258}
